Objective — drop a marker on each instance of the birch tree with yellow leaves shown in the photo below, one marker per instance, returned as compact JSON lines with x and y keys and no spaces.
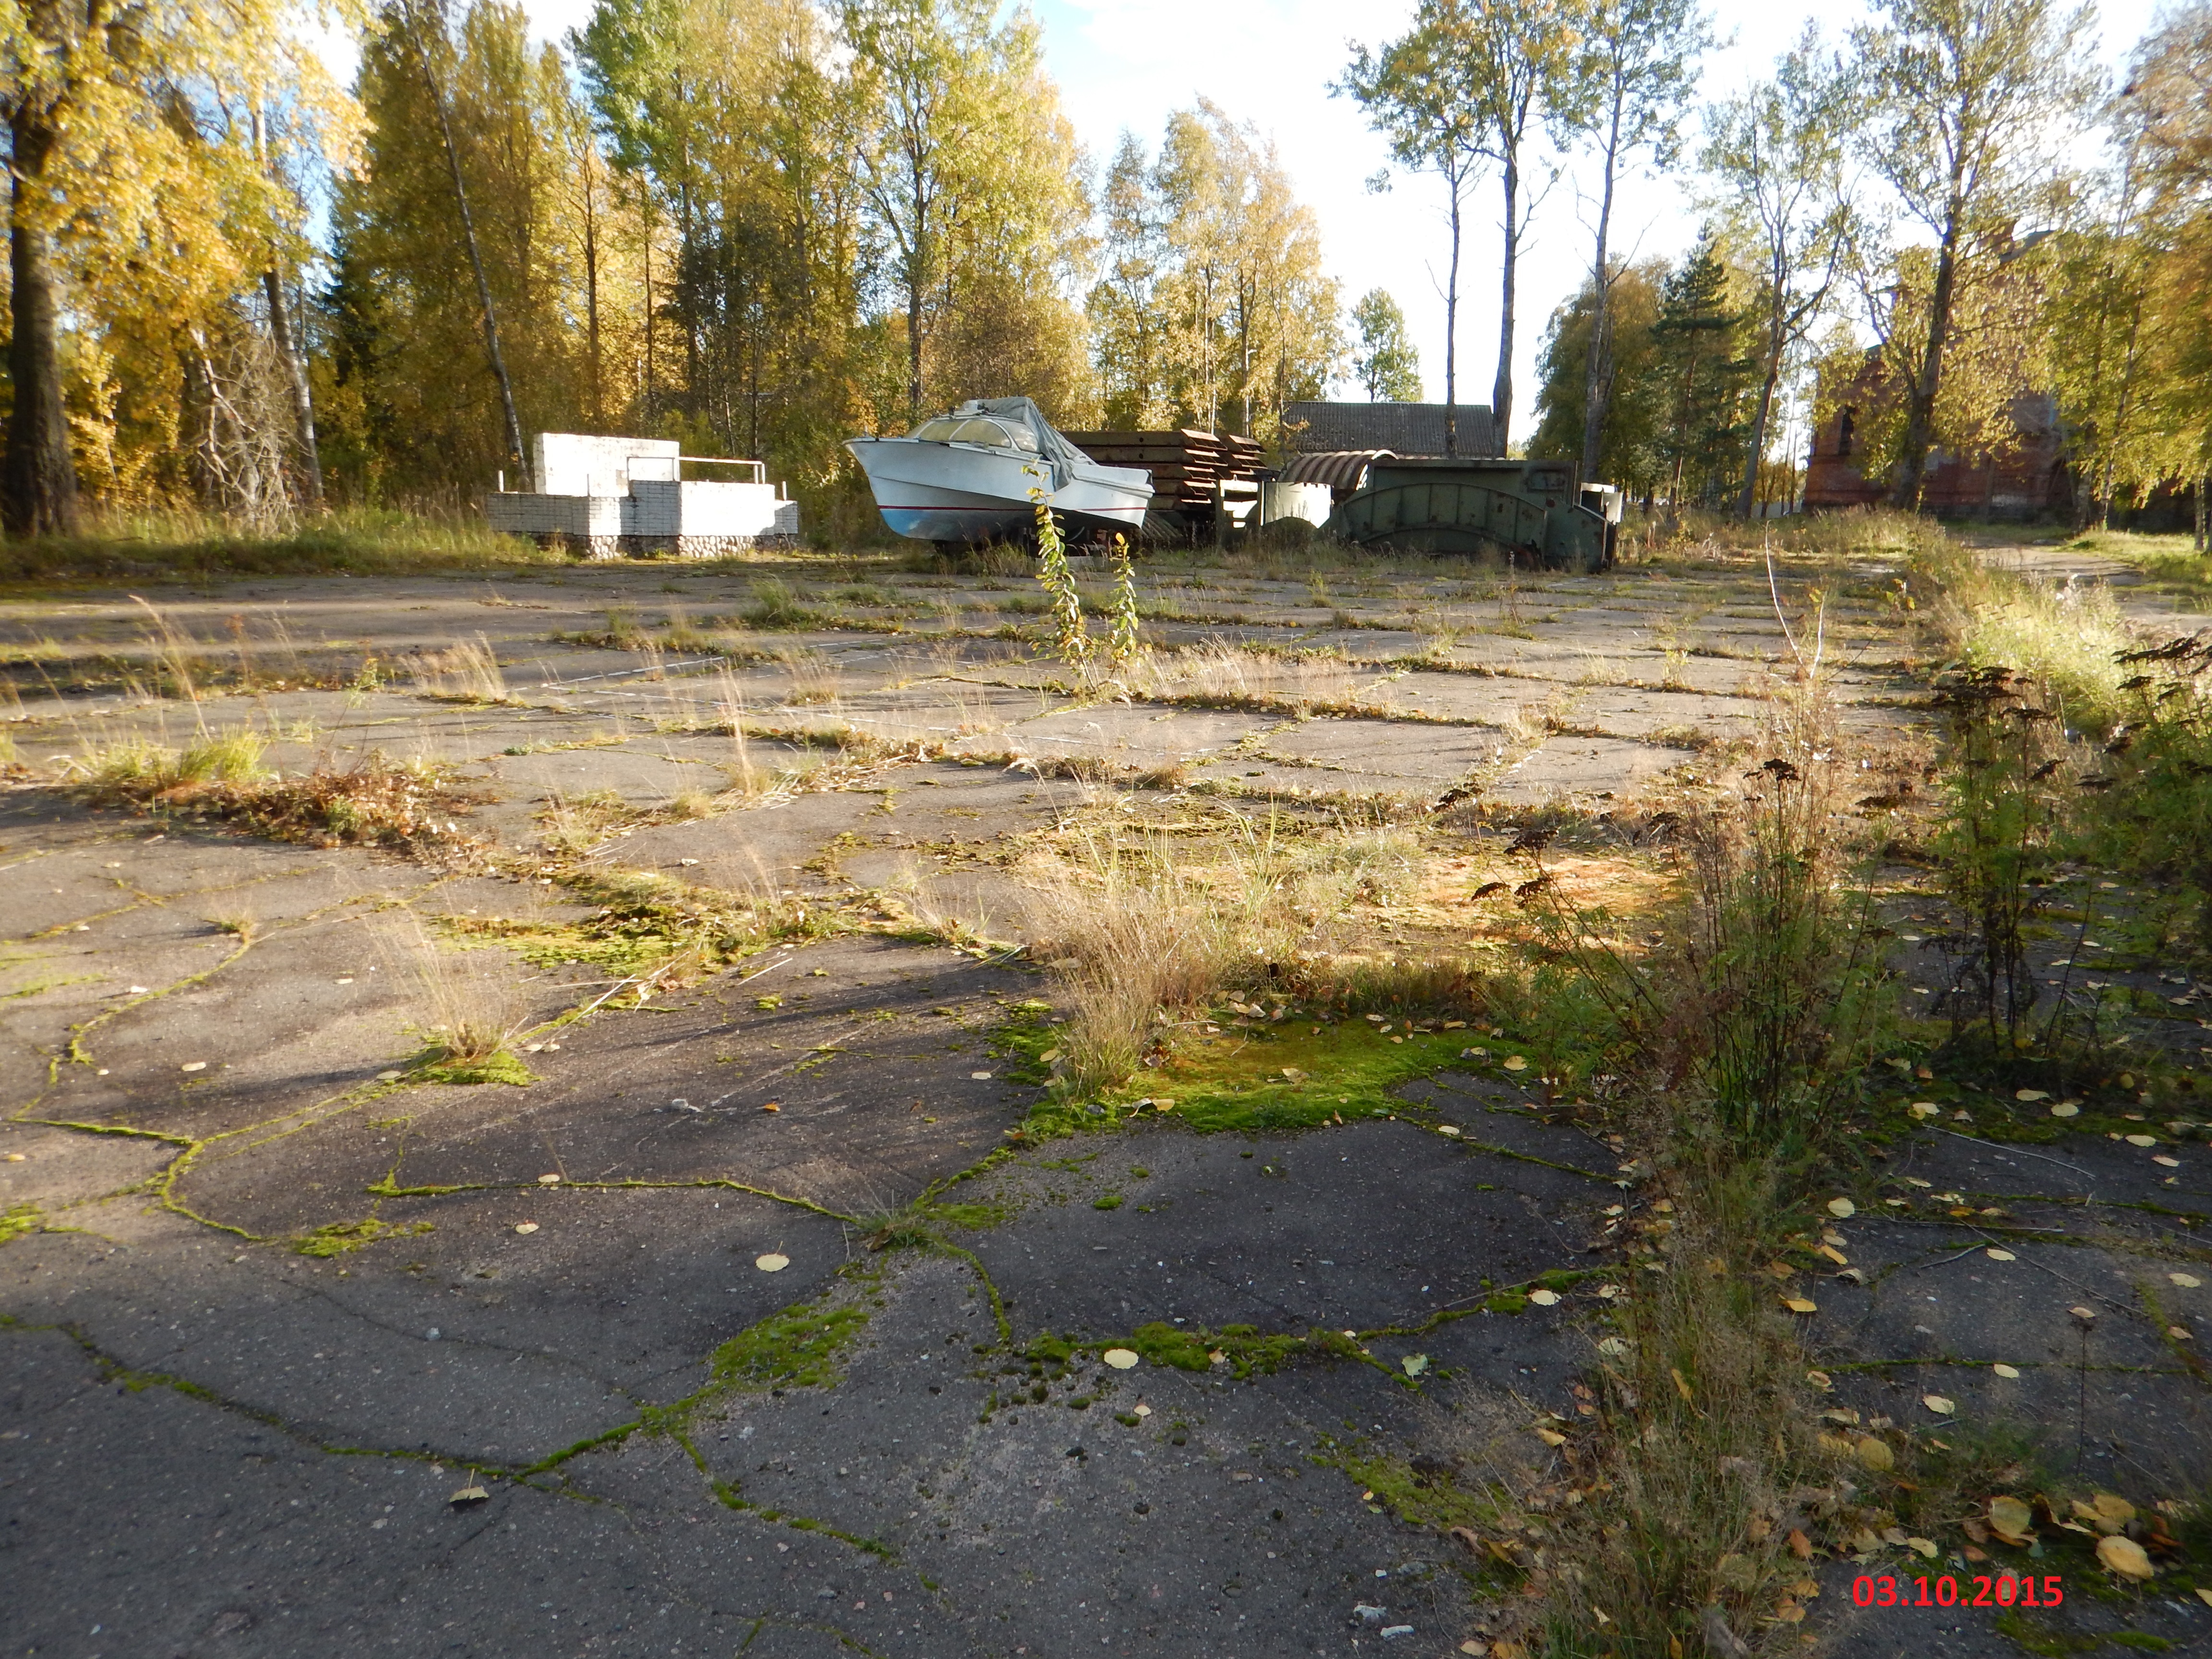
{"x":155,"y":157}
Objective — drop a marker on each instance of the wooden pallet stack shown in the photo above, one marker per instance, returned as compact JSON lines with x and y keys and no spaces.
{"x":1186,"y":466}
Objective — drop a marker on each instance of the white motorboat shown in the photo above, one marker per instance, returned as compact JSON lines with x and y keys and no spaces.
{"x":975,"y":475}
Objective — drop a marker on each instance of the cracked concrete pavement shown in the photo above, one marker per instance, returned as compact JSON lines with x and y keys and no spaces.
{"x":218,"y":1439}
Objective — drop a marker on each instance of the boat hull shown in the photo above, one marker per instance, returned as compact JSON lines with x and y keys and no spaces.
{"x":957,"y":492}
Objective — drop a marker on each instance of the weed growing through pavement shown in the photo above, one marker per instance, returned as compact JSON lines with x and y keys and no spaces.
{"x":1996,"y":847}
{"x":1127,"y":638}
{"x":464,"y":671}
{"x":1072,"y":640}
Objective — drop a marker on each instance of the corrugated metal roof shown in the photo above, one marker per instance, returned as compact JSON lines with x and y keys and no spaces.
{"x":1402,"y":428}
{"x":1342,"y":470}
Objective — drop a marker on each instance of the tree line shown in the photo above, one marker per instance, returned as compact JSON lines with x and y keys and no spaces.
{"x":759,"y":226}
{"x":1917,"y":184}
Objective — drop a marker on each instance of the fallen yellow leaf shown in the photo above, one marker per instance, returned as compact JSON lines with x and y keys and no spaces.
{"x":1936,"y":1403}
{"x":2012,"y":1521}
{"x":1842,"y":1208}
{"x":1544,"y":1299}
{"x":1121,"y":1359}
{"x":2140,"y":1140}
{"x":1922,"y":1547}
{"x":2065,"y":1109}
{"x":2030,"y":1094}
{"x":1550,"y":1437}
{"x":1681,"y":1382}
{"x":1514,"y":1063}
{"x":1798,"y":1305}
{"x":2000,"y":1256}
{"x":1875,"y":1453}
{"x":525,"y":1226}
{"x":2011,"y":1374}
{"x":772,"y":1262}
{"x":2125,"y":1556}
{"x":2186,"y":1281}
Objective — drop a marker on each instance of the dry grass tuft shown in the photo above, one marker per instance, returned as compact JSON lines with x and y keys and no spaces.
{"x":465,"y":671}
{"x":470,"y":1006}
{"x":1142,"y":925}
{"x":1234,"y":676}
{"x":375,"y":803}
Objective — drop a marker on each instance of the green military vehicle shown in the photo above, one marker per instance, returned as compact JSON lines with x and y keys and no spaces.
{"x":1534,"y":512}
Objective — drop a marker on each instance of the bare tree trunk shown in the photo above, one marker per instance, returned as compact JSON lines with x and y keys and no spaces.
{"x":2201,"y":541}
{"x":1920,"y":408}
{"x":1451,"y":332}
{"x":296,"y":379}
{"x":1501,"y":386}
{"x":1747,"y":498}
{"x":515,"y":451}
{"x":592,"y":289}
{"x":38,"y":478}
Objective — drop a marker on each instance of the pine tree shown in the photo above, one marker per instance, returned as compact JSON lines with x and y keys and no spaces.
{"x":1702,"y":374}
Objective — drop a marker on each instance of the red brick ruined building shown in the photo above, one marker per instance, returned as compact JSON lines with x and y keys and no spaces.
{"x":2024,"y":476}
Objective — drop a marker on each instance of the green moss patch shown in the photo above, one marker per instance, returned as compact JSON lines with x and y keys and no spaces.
{"x":1287,"y":1078}
{"x":500,"y":1067}
{"x":797,"y":1348}
{"x":1245,"y":1348}
{"x":1421,"y":1497}
{"x":340,"y":1236}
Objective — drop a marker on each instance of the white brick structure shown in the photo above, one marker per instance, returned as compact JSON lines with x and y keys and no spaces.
{"x":610,"y":497}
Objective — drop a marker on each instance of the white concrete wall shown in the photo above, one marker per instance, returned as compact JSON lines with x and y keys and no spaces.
{"x":518,"y":514}
{"x":729,"y":509}
{"x":579,"y":464}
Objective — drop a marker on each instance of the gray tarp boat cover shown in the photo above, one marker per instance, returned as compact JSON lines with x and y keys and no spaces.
{"x":1063,"y":455}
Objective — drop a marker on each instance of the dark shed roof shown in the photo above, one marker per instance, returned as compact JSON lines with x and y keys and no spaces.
{"x":1402,"y":428}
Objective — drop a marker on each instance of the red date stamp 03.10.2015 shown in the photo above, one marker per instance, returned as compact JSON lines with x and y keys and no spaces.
{"x":1942,"y":1590}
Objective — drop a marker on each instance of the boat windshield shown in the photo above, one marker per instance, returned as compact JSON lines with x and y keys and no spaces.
{"x":974,"y":429}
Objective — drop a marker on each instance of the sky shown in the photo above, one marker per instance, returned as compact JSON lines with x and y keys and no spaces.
{"x":1130,"y":63}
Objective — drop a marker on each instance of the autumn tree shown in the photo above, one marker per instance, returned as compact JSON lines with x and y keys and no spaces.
{"x":1416,"y":95}
{"x":1519,"y":57}
{"x":413,"y":316}
{"x":2171,"y":90}
{"x":1629,"y":443}
{"x":1965,"y":100}
{"x":1774,"y":154}
{"x":969,"y":168}
{"x":1219,"y":296}
{"x":1633,"y":74}
{"x":1466,"y":87}
{"x":1384,"y":363}
{"x":145,"y":203}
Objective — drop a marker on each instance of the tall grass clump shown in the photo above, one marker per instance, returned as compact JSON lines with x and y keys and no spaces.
{"x":1746,"y":1030}
{"x":1704,"y":1463}
{"x":2153,"y":817}
{"x":1143,"y":929}
{"x":465,"y":671}
{"x":183,"y":544}
{"x":1996,"y":845}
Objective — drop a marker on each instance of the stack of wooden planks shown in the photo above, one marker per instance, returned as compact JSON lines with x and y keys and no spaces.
{"x":1185,"y":465}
